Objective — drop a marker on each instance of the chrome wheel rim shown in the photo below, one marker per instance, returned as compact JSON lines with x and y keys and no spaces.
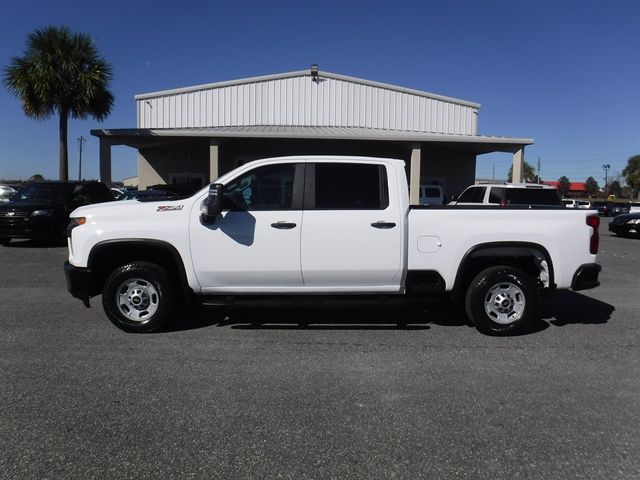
{"x":504,"y":303}
{"x":137,"y":300}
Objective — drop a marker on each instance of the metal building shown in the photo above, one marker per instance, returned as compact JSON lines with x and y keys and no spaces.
{"x":195,"y":134}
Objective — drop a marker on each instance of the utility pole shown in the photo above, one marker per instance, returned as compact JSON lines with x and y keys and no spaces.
{"x":539,"y":177}
{"x":606,"y":168}
{"x":493,"y":177}
{"x":81,"y":140}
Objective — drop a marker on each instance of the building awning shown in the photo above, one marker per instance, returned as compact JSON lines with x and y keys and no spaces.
{"x":136,"y":137}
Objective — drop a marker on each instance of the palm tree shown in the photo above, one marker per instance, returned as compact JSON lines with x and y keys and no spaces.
{"x":61,"y":72}
{"x":528,"y":173}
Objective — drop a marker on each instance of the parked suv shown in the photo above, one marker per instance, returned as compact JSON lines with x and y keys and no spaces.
{"x":40,"y":210}
{"x":505,"y":194}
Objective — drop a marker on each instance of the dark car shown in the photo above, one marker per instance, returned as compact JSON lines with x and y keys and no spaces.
{"x":602,"y":207}
{"x":626,"y":225}
{"x":616,"y":208}
{"x":150,"y":195}
{"x":40,"y":210}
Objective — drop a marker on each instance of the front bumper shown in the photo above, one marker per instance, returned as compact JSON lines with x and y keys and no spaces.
{"x":586,"y":277}
{"x":78,"y":282}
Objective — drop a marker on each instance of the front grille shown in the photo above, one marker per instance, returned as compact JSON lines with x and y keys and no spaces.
{"x":14,"y":214}
{"x":15,"y":223}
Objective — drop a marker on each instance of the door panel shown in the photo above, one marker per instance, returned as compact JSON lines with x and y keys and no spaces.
{"x":254,"y":245}
{"x":344,"y":249}
{"x":242,"y":249}
{"x":352,"y":230}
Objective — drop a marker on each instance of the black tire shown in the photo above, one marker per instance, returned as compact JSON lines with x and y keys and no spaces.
{"x":502,"y":300}
{"x":138,"y":297}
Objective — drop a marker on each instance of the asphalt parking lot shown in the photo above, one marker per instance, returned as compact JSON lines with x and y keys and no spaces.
{"x":318,"y":394}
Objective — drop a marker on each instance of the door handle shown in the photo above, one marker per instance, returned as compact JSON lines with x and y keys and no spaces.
{"x":381,"y":224}
{"x":283,"y":225}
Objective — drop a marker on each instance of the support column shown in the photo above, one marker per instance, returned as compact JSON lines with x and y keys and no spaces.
{"x":105,"y":161}
{"x":518,"y":165}
{"x":214,"y":154}
{"x":414,"y":176}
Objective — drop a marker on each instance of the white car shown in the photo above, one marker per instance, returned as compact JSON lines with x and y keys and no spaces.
{"x":6,"y":192}
{"x":584,"y":204}
{"x":506,"y":194}
{"x":569,"y":202}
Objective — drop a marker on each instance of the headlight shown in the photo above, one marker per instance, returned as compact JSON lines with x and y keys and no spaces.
{"x":42,"y":213}
{"x":75,"y":222}
{"x":633,"y":221}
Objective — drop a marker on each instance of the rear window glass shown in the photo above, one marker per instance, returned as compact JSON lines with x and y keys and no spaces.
{"x":92,"y":192}
{"x":523,"y":196}
{"x":431,"y":192}
{"x":472,"y":195}
{"x":44,"y":191}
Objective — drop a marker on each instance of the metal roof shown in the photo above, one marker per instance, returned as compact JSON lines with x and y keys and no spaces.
{"x":320,"y":133}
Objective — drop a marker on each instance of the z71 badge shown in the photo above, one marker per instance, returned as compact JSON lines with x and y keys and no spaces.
{"x":169,"y":208}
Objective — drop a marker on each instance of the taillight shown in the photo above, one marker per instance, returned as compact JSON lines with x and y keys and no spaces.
{"x":594,"y":222}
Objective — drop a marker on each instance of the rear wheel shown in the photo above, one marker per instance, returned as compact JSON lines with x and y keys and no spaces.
{"x":502,"y":301}
{"x":138,"y":297}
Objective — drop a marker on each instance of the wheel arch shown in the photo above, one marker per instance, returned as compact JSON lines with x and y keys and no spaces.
{"x":525,"y":256}
{"x":108,"y":255}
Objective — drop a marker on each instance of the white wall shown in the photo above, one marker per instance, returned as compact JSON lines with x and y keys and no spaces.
{"x":301,"y":101}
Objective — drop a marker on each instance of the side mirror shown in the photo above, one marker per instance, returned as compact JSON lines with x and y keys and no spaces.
{"x":212,"y":205}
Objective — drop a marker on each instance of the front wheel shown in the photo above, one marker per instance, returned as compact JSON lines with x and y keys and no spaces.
{"x":138,"y":297}
{"x":502,"y":301}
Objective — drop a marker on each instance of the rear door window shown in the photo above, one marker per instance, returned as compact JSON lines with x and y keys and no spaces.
{"x":346,"y":186}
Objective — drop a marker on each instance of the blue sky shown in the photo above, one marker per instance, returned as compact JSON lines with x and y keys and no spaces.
{"x":566,"y":73}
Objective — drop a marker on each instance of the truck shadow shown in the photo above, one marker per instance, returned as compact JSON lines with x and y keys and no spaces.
{"x":564,"y":308}
{"x":571,"y":308}
{"x":301,"y":318}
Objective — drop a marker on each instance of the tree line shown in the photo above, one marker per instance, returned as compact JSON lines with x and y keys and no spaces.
{"x":631,"y":174}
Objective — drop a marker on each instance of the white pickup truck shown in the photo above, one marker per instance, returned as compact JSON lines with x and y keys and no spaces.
{"x":324,"y":228}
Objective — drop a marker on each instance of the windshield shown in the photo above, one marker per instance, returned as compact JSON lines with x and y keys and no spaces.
{"x":49,"y":192}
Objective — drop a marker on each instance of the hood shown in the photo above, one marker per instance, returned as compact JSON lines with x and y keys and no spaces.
{"x":132,"y":208}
